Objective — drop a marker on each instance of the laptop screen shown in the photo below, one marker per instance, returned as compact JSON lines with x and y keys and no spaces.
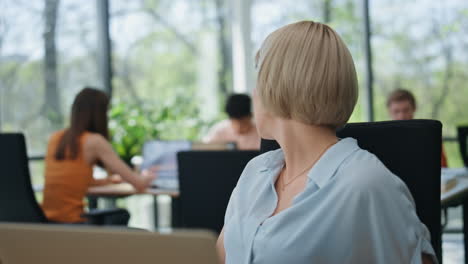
{"x":162,"y":155}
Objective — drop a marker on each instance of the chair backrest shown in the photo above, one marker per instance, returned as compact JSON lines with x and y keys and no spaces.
{"x":462,"y":142}
{"x":206,"y":181}
{"x":17,"y":200}
{"x":411,"y":150}
{"x":213,"y":146}
{"x":58,"y":244}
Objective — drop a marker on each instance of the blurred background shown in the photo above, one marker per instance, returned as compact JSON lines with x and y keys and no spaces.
{"x":170,"y":64}
{"x":174,"y":61}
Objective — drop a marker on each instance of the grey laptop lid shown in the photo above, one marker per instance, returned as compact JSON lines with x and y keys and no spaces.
{"x":163,"y":155}
{"x":56,"y":244}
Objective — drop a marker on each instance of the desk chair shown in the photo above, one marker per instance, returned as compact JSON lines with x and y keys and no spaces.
{"x":17,"y":200}
{"x":462,"y":142}
{"x":58,"y":244}
{"x":213,"y":146}
{"x":206,"y":181}
{"x":411,"y":150}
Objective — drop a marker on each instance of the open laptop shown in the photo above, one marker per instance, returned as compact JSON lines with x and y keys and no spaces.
{"x":162,"y":155}
{"x":58,"y":244}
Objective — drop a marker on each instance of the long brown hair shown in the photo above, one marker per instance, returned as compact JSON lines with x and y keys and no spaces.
{"x":89,"y":114}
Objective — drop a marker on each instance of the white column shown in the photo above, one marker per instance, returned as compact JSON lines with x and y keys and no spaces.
{"x":207,"y":76}
{"x":242,"y":55}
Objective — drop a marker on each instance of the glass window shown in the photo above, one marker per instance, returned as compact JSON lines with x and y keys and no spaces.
{"x":41,"y":70}
{"x":21,"y":77}
{"x":172,"y":56}
{"x":424,"y":52}
{"x":37,"y":87}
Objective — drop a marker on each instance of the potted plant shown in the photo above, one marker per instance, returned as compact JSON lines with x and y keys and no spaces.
{"x":132,"y":124}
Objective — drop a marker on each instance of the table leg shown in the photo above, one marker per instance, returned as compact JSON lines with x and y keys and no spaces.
{"x":176,"y":212}
{"x":110,"y":203}
{"x":465,"y":228}
{"x":155,"y":213}
{"x":92,"y":202}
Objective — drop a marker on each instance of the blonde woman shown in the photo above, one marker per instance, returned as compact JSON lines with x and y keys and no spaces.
{"x":318,"y":199}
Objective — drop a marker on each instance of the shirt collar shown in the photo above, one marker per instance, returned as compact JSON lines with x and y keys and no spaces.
{"x":331,"y":160}
{"x":325,"y":167}
{"x":273,"y":161}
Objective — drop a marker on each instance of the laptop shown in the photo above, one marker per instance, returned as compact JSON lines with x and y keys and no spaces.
{"x":162,"y":156}
{"x":58,"y":244}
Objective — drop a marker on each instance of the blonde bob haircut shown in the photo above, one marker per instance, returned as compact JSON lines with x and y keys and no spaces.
{"x":306,"y":73}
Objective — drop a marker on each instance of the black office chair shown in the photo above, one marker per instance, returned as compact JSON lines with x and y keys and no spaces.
{"x":206,"y":181}
{"x":17,"y":200}
{"x":411,"y":150}
{"x":462,"y":142}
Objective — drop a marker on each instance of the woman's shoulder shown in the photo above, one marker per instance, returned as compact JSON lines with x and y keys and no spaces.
{"x":93,"y":139}
{"x":221,"y":126}
{"x":365,"y":172}
{"x":266,"y":159}
{"x":57,"y":134}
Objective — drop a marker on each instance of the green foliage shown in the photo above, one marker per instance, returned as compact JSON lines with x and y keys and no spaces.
{"x":452,"y":151}
{"x":162,"y":61}
{"x":132,"y":123}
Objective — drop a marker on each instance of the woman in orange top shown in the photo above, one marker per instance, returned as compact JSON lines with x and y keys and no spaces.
{"x":73,"y":152}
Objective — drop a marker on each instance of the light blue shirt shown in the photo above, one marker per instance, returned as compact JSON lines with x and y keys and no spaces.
{"x":352,"y":210}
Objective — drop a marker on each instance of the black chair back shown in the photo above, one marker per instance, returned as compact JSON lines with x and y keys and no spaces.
{"x":206,"y":181}
{"x":462,"y":139}
{"x":411,"y":150}
{"x":17,"y":200}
